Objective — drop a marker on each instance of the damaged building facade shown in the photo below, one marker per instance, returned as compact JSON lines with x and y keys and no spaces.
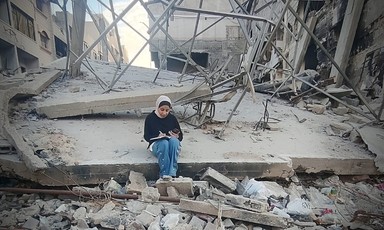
{"x":362,"y":59}
{"x":211,"y":45}
{"x":32,"y":37}
{"x":26,"y":36}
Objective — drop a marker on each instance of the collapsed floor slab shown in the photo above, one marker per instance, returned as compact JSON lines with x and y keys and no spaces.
{"x":92,"y":149}
{"x":116,"y":101}
{"x":31,"y":86}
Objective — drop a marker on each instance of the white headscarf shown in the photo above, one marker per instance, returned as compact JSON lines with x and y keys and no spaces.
{"x":159,"y":100}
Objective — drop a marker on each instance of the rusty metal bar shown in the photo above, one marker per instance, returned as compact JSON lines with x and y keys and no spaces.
{"x":85,"y":193}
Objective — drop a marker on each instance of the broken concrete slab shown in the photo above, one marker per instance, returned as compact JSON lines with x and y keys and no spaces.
{"x":39,"y":82}
{"x":184,"y":186}
{"x":339,"y":166}
{"x":114,"y":102}
{"x":246,"y":203}
{"x":374,"y":138}
{"x":218,"y":180}
{"x":33,"y":87}
{"x":212,"y":208}
{"x":25,"y":151}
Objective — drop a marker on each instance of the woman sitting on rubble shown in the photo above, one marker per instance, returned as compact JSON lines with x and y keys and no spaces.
{"x":162,"y":132}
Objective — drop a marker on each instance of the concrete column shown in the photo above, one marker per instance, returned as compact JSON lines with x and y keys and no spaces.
{"x":77,"y":34}
{"x":347,"y":35}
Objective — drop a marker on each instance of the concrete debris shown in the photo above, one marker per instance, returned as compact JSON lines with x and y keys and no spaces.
{"x":373,"y":138}
{"x":112,"y":186}
{"x":331,"y":203}
{"x":341,"y":110}
{"x":218,"y":180}
{"x":150,"y":194}
{"x":137,"y":182}
{"x":115,"y":102}
{"x":315,"y":108}
{"x":183,"y":185}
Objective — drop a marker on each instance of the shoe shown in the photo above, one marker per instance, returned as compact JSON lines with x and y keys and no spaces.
{"x":166,"y":178}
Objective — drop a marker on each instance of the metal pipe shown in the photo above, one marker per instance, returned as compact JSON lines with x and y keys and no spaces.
{"x":174,"y":42}
{"x":193,"y":41}
{"x":85,"y":53}
{"x":99,"y":30}
{"x":241,"y":23}
{"x":335,"y":98}
{"x":231,"y":15}
{"x":165,"y":12}
{"x":117,"y":34}
{"x":275,"y":29}
{"x":89,"y":194}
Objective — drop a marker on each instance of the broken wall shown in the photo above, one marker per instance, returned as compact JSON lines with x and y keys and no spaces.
{"x":368,"y":37}
{"x":366,"y":64}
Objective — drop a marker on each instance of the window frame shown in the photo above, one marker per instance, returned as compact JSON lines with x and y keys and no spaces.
{"x":23,"y":22}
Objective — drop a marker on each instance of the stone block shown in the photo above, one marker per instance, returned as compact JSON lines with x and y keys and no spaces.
{"x":135,"y":206}
{"x":210,"y":226}
{"x":197,"y":223}
{"x":31,"y":223}
{"x":137,"y":182}
{"x":183,"y":217}
{"x":150,"y":194}
{"x":170,"y":221}
{"x":135,"y":225}
{"x":341,"y":110}
{"x":82,"y":224}
{"x":219,"y":180}
{"x":80,"y":213}
{"x":145,"y":218}
{"x":172,"y":192}
{"x":183,"y":226}
{"x":228,"y":223}
{"x":154,"y":209}
{"x":182,"y":184}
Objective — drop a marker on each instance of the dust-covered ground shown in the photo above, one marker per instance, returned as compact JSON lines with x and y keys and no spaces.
{"x":118,"y":136}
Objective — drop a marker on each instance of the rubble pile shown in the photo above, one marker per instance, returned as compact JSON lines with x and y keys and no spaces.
{"x":213,"y":202}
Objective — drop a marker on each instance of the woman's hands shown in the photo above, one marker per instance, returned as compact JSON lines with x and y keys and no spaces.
{"x":174,"y":133}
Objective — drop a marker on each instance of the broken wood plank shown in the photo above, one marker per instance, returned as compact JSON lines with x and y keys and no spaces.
{"x":212,"y":208}
{"x":116,"y":101}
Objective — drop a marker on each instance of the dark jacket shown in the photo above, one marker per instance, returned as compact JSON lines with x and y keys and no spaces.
{"x":154,"y":125}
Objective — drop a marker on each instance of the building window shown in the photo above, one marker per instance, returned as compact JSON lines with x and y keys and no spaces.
{"x":40,"y":4}
{"x":23,"y":22}
{"x":44,"y":39}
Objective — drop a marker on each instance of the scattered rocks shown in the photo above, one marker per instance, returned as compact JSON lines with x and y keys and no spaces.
{"x":267,"y":204}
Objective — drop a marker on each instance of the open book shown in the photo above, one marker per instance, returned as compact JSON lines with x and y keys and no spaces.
{"x":159,"y":138}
